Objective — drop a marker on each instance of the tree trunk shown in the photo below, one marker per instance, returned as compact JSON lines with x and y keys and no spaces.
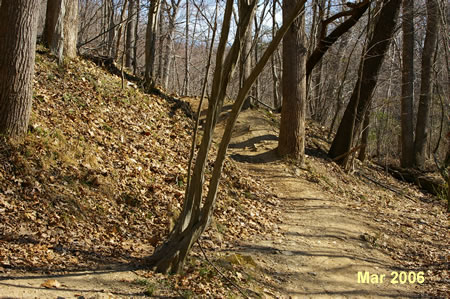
{"x":54,"y":28}
{"x":130,"y":34}
{"x":245,"y":64}
{"x":51,"y":17}
{"x":275,"y":78}
{"x":195,"y":217}
{"x":422,"y":126}
{"x":364,"y":137}
{"x":18,"y":27}
{"x":367,"y":79}
{"x":71,"y":29}
{"x":119,"y":31}
{"x":167,"y":56}
{"x":150,"y":40}
{"x":136,"y":37}
{"x":407,"y":114}
{"x":112,"y":33}
{"x":292,"y":127}
{"x":186,"y":53}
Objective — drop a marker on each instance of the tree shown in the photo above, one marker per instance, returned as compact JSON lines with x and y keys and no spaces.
{"x":61,"y":28}
{"x":166,"y":58}
{"x":71,"y":29}
{"x":131,"y":28}
{"x":150,"y":41}
{"x":291,"y":140}
{"x":245,"y":63}
{"x":422,"y":125}
{"x":367,"y":79}
{"x":326,"y":42}
{"x":407,"y":114}
{"x":18,"y":27}
{"x":54,"y":28}
{"x":195,"y":216}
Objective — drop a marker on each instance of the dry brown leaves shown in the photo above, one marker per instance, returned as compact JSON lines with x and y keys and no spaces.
{"x":415,"y":225}
{"x":100,"y":178}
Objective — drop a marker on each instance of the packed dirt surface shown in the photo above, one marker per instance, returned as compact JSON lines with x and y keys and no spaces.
{"x":325,"y":240}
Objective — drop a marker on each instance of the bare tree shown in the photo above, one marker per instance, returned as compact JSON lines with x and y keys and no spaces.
{"x":195,"y":216}
{"x":150,"y":41}
{"x":131,"y":28}
{"x":407,"y":113}
{"x":18,"y":26}
{"x":291,"y":141}
{"x":70,"y":29}
{"x":245,"y":63}
{"x":370,"y":65}
{"x":422,"y":125}
{"x":54,"y":28}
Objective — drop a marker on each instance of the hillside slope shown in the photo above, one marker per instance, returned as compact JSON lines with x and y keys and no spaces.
{"x":99,"y":180}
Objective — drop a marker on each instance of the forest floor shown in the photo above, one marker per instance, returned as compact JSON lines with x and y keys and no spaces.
{"x":336,"y":225}
{"x":98,"y":182}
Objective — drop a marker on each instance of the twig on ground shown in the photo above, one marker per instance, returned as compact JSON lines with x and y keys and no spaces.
{"x":223,"y":275}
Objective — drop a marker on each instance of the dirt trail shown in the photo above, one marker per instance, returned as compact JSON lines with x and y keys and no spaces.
{"x":323,"y":244}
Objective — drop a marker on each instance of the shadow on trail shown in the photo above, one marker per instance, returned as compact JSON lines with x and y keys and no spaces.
{"x":251,"y":248}
{"x":266,"y":157}
{"x":252,"y":141}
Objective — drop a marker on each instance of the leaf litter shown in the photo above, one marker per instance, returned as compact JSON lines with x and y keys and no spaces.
{"x":99,"y":180}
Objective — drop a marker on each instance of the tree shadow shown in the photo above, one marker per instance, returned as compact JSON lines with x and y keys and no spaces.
{"x":252,"y":141}
{"x":266,"y":157}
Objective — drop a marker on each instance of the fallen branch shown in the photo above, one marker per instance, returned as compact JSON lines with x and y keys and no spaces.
{"x":385,"y":186}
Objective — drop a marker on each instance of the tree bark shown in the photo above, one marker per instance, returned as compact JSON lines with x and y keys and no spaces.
{"x":119,"y":31}
{"x":291,"y":141}
{"x":136,"y":37}
{"x":365,"y":137}
{"x":71,"y":29}
{"x":245,"y":63}
{"x":407,"y":114}
{"x":167,"y":56}
{"x":367,"y":79}
{"x":150,"y":41}
{"x":422,"y":125}
{"x":186,"y":53}
{"x":18,"y":28}
{"x":54,"y":28}
{"x":130,"y":34}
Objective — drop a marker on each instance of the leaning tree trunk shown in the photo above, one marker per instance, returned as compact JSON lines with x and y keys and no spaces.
{"x":18,"y":27}
{"x":407,"y":114}
{"x":291,"y":140}
{"x":195,"y":217}
{"x":422,"y":126}
{"x":325,"y":43}
{"x":367,"y":79}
